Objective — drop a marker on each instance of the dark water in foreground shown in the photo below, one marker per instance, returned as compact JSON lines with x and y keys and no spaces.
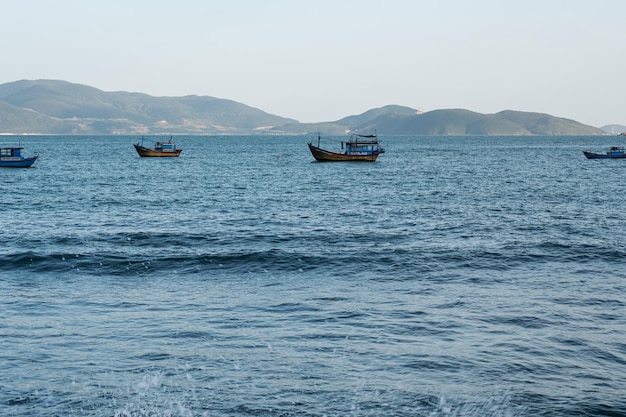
{"x":453,"y":277}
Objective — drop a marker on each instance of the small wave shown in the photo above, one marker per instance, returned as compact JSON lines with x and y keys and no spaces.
{"x":154,"y":356}
{"x":238,"y":261}
{"x":381,"y":256}
{"x":18,"y":401}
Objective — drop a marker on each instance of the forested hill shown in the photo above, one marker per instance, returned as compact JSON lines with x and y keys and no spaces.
{"x":397,"y":120}
{"x":60,"y":107}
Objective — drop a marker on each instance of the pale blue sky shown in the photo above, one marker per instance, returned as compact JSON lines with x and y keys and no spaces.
{"x":321,"y":60}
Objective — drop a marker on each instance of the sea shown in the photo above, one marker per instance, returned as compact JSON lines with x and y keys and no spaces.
{"x":454,"y":276}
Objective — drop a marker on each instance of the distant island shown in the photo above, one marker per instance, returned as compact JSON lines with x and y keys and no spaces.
{"x":61,"y":107}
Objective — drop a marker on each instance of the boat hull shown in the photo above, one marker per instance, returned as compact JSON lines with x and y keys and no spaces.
{"x":150,"y":153}
{"x":17,"y":162}
{"x":322,"y":155}
{"x":594,"y":155}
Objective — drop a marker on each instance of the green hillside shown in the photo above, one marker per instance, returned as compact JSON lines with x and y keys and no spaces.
{"x":50,"y":106}
{"x":60,"y":107}
{"x":396,"y":120}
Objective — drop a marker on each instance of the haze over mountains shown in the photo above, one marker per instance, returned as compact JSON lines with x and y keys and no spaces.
{"x":60,"y":107}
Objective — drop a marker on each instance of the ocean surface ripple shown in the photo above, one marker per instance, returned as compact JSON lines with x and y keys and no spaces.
{"x":455,"y":276}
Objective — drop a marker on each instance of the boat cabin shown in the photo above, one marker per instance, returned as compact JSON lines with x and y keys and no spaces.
{"x":361,"y":148}
{"x":11,"y":152}
{"x":165,"y":147}
{"x":363,"y":145}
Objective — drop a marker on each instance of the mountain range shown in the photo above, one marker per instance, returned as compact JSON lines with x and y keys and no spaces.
{"x":61,"y":107}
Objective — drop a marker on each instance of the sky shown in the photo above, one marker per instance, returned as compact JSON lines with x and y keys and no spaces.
{"x":322,"y":60}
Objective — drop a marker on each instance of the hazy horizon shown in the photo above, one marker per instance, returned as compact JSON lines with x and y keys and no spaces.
{"x":322,"y":61}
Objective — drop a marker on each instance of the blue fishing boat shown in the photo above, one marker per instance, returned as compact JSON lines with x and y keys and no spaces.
{"x":12,"y":158}
{"x":613,"y":152}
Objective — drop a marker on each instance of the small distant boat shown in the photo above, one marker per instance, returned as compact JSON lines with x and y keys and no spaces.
{"x":613,"y":152}
{"x":160,"y":149}
{"x":358,"y":148}
{"x":12,"y":158}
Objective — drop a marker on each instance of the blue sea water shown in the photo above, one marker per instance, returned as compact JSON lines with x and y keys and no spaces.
{"x":455,"y":276}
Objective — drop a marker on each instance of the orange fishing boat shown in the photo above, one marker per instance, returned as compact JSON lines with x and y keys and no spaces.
{"x":359,"y":148}
{"x":160,"y":149}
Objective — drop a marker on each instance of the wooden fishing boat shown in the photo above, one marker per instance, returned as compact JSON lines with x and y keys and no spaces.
{"x":161,"y":149}
{"x":613,"y":152}
{"x":359,"y":148}
{"x":12,"y":158}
